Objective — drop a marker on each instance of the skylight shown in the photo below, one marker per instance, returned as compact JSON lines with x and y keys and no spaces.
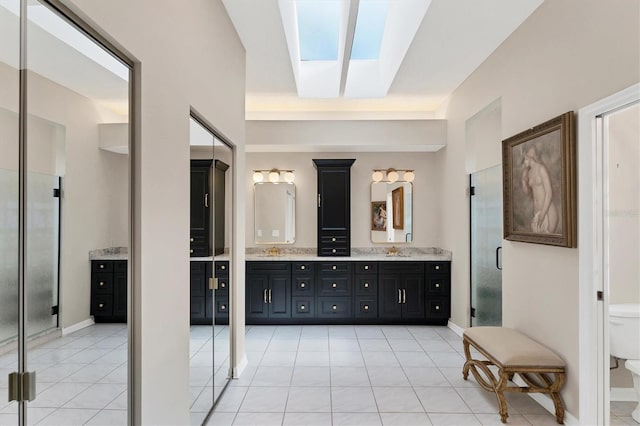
{"x":367,"y":39}
{"x":318,"y":28}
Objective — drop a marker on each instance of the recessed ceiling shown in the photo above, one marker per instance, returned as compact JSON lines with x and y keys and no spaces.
{"x":451,"y":41}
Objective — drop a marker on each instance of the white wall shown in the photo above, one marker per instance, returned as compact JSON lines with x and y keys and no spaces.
{"x":426,"y":189}
{"x":568,"y":54}
{"x":190,"y":56}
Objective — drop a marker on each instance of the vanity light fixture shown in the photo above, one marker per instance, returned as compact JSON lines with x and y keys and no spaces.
{"x":273,"y":175}
{"x":392,"y":175}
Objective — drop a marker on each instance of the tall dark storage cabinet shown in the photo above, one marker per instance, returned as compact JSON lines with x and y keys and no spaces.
{"x":334,"y":206}
{"x":202,"y":198}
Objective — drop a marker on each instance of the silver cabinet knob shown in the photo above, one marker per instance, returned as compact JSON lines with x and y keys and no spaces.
{"x":223,"y":285}
{"x":302,"y":285}
{"x":437,"y":267}
{"x":437,"y":285}
{"x":333,"y":251}
{"x":303,"y":267}
{"x":366,"y":307}
{"x":437,"y":307}
{"x":302,"y":307}
{"x":366,"y":267}
{"x":191,"y":251}
{"x":101,"y":305}
{"x":334,"y":285}
{"x":101,"y":266}
{"x":334,"y":307}
{"x":191,"y":239}
{"x":366,"y":285}
{"x":223,"y":307}
{"x":223,"y":267}
{"x":334,"y":267}
{"x":333,"y":240}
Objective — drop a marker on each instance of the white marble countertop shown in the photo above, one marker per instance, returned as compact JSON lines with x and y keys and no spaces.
{"x":307,"y":255}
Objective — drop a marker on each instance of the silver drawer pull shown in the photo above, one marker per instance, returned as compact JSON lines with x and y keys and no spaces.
{"x":334,"y":267}
{"x":437,"y":307}
{"x":333,"y":251}
{"x":222,"y":285}
{"x":333,"y":240}
{"x":302,"y":307}
{"x":437,"y":267}
{"x":366,"y":285}
{"x":366,"y":267}
{"x":334,"y":285}
{"x":302,"y":285}
{"x":101,"y":283}
{"x":101,"y":305}
{"x":366,"y":307}
{"x":437,"y":285}
{"x":303,"y":267}
{"x":223,"y":267}
{"x":334,"y":307}
{"x":223,"y":307}
{"x":101,"y":266}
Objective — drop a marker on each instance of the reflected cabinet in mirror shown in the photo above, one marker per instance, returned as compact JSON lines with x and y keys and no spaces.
{"x":391,"y":218}
{"x":275,"y":212}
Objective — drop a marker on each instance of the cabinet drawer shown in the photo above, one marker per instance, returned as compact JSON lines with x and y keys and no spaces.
{"x":102,"y":283}
{"x":258,"y":267}
{"x":302,"y":267}
{"x":102,"y":266}
{"x":366,"y":285}
{"x":222,"y":269}
{"x":438,"y":308}
{"x":303,"y":285}
{"x":438,"y":284}
{"x":366,"y":307}
{"x":335,"y":286}
{"x":302,"y":307}
{"x":333,"y":239}
{"x":438,"y":267}
{"x":102,"y":306}
{"x":333,"y":251}
{"x":335,"y":267}
{"x":366,"y":267}
{"x":401,"y":266}
{"x":332,"y":307}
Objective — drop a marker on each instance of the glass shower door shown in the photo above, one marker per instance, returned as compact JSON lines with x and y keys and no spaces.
{"x":486,"y":247}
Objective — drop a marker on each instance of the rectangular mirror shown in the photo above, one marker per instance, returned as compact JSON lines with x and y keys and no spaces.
{"x":275,"y":212}
{"x":391,"y":212}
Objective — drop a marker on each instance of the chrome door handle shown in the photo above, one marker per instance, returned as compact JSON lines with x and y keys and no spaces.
{"x":399,"y":296}
{"x":264,"y":297}
{"x":404,"y":296}
{"x":269,"y":295}
{"x":206,"y":200}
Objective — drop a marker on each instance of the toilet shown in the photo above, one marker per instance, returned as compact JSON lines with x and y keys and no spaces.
{"x":624,"y":333}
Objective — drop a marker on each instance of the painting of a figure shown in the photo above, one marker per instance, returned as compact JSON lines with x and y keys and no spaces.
{"x":539,"y":184}
{"x":378,"y":216}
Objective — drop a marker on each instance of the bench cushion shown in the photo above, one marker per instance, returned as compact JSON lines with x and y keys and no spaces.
{"x":511,"y":348}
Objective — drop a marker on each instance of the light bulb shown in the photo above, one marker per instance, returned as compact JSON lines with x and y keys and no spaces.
{"x":288,"y":177}
{"x":376,"y":176}
{"x":274,"y":176}
{"x":392,"y":176}
{"x":409,"y":176}
{"x":258,"y":176}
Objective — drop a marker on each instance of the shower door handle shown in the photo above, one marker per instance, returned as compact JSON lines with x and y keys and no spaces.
{"x":498,"y":263}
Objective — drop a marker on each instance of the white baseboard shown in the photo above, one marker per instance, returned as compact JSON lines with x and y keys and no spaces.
{"x":623,"y":394}
{"x":238,"y":369}
{"x":547,"y":403}
{"x":77,"y":326}
{"x":455,"y":328}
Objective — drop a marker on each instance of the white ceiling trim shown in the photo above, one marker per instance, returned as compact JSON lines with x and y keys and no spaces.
{"x":341,"y":148}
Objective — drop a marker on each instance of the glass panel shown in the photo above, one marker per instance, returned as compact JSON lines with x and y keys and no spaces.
{"x":318,"y":27}
{"x":486,"y":242}
{"x":77,"y":138}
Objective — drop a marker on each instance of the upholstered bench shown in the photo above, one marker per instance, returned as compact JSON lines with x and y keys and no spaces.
{"x":513,"y":353}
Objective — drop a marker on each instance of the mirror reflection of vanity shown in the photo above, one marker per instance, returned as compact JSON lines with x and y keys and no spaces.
{"x":275,"y":212}
{"x":391,"y":212}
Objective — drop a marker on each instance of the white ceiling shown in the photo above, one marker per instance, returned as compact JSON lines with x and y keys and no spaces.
{"x":455,"y":37}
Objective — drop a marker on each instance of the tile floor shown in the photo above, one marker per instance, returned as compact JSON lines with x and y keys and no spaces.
{"x":297,"y":375}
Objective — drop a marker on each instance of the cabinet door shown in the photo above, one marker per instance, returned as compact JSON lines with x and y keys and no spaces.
{"x":256,"y":288}
{"x":199,"y":207}
{"x":390,"y":297}
{"x":413,"y":296}
{"x":334,"y":209}
{"x":120,"y":296}
{"x":279,"y":296}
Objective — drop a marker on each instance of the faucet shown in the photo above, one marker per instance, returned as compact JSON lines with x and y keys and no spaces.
{"x":393,"y":251}
{"x":273,"y":251}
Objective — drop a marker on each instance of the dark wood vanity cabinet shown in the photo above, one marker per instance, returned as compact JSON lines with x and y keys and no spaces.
{"x":203,"y":306}
{"x":348,"y":292}
{"x":267,"y":291}
{"x":109,"y":290}
{"x":334,"y":206}
{"x":202,"y":199}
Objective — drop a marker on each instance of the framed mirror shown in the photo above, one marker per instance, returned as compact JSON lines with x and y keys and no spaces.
{"x":275,"y":212}
{"x":391,"y":218}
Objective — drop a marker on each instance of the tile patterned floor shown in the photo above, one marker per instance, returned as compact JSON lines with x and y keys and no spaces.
{"x":297,"y":375}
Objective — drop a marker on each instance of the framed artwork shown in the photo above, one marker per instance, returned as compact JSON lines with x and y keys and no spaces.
{"x":397,"y":198}
{"x":378,"y":215}
{"x":539,"y":184}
